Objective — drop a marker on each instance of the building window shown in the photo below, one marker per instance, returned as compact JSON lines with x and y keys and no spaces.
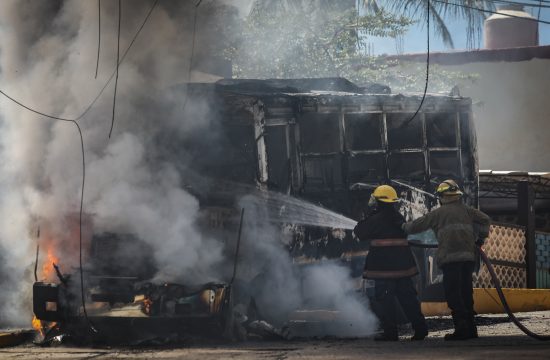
{"x":407,"y":166}
{"x":441,"y":129}
{"x":322,"y":173}
{"x":404,"y":133}
{"x":444,"y":164}
{"x":277,"y":158}
{"x":319,"y":133}
{"x":366,"y":168}
{"x":363,"y":131}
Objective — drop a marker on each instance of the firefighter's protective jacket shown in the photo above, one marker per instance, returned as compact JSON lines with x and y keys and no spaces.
{"x":389,"y":256}
{"x":453,"y":225}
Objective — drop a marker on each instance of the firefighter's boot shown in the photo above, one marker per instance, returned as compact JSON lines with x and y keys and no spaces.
{"x":419,"y":334}
{"x":462,"y":330}
{"x":472,"y":327}
{"x":420,"y":330}
{"x":386,"y":337}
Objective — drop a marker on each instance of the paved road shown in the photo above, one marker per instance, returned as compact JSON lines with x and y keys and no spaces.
{"x":498,"y":340}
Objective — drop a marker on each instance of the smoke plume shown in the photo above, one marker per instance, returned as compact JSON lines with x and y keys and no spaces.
{"x":134,"y":180}
{"x":280,"y":286}
{"x":47,"y":61}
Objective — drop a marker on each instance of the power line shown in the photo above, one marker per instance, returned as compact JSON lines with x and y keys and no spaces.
{"x":121,"y":60}
{"x":491,"y":12}
{"x":75,"y":122}
{"x":102,"y":89}
{"x":82,"y":296}
{"x":98,"y":36}
{"x":81,"y":194}
{"x":191,"y":57}
{"x":534,"y":3}
{"x":117,"y":66}
{"x":428,"y":7}
{"x":539,"y":5}
{"x":35,"y":111}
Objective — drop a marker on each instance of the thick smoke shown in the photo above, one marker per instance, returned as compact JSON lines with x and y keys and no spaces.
{"x":133,"y":179}
{"x":47,"y":60}
{"x":280,"y":287}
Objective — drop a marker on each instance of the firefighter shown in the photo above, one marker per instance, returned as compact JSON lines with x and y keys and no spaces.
{"x":390,"y":263}
{"x":455,"y":226}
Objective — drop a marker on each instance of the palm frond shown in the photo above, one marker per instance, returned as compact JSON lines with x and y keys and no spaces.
{"x":440,"y":11}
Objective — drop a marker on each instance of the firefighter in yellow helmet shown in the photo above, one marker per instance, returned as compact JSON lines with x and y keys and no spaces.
{"x":390,"y":264}
{"x":454,"y":225}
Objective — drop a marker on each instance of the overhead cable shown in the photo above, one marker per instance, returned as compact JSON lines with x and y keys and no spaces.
{"x":98,"y":36}
{"x":539,"y":5}
{"x":428,"y":7}
{"x":75,"y":122}
{"x":491,"y":12}
{"x":117,"y":66}
{"x":191,"y":56}
{"x":89,"y":107}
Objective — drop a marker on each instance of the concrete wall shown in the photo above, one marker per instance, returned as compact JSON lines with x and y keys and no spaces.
{"x":512,"y":113}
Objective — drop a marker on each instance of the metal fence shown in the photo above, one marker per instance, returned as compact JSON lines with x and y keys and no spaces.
{"x":542,"y":242}
{"x":505,"y":247}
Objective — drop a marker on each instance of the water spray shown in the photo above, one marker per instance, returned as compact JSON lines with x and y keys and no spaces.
{"x":414,"y":189}
{"x":485,"y":259}
{"x":491,"y":270}
{"x":500,"y":293}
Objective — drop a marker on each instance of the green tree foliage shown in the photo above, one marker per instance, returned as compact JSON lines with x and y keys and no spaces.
{"x":440,"y":11}
{"x":305,"y":43}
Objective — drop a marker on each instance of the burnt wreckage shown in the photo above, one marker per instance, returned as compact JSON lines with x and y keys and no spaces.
{"x":327,"y":141}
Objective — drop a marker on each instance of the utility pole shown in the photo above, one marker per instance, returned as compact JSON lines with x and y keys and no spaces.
{"x":526,"y":218}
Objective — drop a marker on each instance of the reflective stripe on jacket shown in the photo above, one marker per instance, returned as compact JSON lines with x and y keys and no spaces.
{"x":389,"y":255}
{"x":453,"y":224}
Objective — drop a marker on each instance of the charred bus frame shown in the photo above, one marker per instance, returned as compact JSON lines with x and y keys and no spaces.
{"x":328,"y":141}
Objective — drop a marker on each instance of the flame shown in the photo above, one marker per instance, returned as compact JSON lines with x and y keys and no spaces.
{"x":51,"y":258}
{"x":46,"y":273}
{"x":147,"y":306}
{"x":36,"y":324}
{"x":42,"y":327}
{"x":53,"y":245}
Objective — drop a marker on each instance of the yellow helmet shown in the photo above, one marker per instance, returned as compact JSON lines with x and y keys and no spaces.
{"x":448,"y":187}
{"x":385,"y":193}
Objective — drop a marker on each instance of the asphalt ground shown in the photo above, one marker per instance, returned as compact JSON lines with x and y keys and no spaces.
{"x":499,"y":339}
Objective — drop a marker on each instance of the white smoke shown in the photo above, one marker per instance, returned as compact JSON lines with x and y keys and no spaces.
{"x":283,"y":287}
{"x":133,"y":180}
{"x":330,"y":286}
{"x":47,"y":60}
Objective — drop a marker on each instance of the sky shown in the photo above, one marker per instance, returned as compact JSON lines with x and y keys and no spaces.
{"x":415,"y":39}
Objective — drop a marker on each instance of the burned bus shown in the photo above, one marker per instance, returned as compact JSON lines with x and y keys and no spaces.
{"x":331,"y":142}
{"x":326,"y":141}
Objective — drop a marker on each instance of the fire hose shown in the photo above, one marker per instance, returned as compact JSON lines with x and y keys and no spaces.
{"x":491,"y":270}
{"x":498,"y":288}
{"x":502,"y":298}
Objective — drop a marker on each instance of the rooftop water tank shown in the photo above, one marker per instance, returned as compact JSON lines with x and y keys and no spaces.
{"x":510,"y":27}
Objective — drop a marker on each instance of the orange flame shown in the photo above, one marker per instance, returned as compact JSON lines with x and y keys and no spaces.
{"x":47,"y":273}
{"x":41,"y":327}
{"x":36,"y":324}
{"x":51,"y":258}
{"x":52,"y":245}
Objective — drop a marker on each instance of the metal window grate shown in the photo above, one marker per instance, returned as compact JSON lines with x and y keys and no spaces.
{"x":542,"y":241}
{"x":505,"y":246}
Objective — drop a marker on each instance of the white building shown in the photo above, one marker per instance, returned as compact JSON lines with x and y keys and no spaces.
{"x":511,"y":94}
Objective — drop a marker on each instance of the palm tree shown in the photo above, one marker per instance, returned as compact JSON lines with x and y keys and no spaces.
{"x":439,"y":10}
{"x":416,"y":9}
